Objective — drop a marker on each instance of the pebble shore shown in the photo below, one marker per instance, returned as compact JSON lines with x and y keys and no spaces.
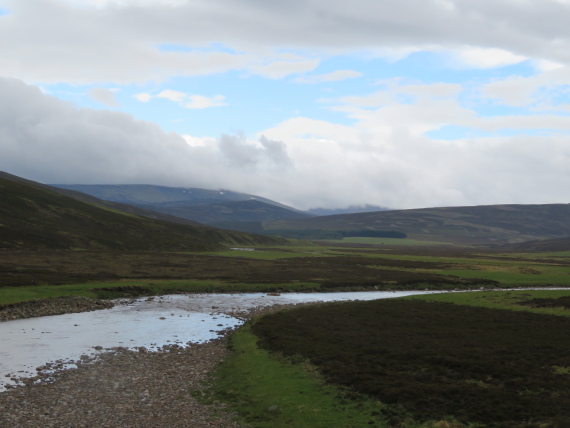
{"x":120,"y":387}
{"x":123,"y":388}
{"x":53,"y":306}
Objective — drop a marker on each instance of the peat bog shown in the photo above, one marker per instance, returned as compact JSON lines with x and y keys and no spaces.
{"x":431,"y":361}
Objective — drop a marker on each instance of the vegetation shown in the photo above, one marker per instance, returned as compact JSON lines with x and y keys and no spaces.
{"x":269,"y":391}
{"x":332,"y":234}
{"x":403,"y":362}
{"x":478,"y":225}
{"x":33,"y":217}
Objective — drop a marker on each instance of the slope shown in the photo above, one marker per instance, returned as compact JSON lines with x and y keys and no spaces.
{"x":33,"y":217}
{"x":226,"y":211}
{"x":490,"y":224}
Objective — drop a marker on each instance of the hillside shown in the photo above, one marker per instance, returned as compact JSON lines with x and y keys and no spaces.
{"x":547,"y":245}
{"x":478,"y":225}
{"x":224,"y":211}
{"x":199,"y":205}
{"x":34,"y":217}
{"x":150,"y":195}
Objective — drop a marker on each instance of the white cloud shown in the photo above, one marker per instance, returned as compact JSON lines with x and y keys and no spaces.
{"x":171,"y":95}
{"x":143,"y":97}
{"x":119,"y":41}
{"x":281,"y":68}
{"x":200,"y":101}
{"x":520,"y":91}
{"x":104,"y":96}
{"x":185,"y":100}
{"x":477,"y":57}
{"x":384,"y":158}
{"x":334,"y":76}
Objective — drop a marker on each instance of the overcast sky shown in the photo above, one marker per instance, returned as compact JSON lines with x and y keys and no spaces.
{"x":312,"y":103}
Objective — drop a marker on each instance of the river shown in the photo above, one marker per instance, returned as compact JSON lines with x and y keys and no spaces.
{"x":28,"y":344}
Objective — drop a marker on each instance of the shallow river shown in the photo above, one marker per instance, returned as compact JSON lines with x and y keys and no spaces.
{"x":177,"y":319}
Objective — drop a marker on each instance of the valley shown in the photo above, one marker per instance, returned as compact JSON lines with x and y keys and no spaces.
{"x":59,"y":244}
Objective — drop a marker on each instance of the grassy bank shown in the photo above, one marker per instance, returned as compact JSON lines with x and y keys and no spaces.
{"x":111,"y":290}
{"x":272,"y":391}
{"x":446,"y":360}
{"x":515,"y":300}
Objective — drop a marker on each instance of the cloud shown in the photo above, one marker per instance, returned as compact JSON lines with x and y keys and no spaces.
{"x":104,"y":96}
{"x":185,"y":100}
{"x":521,"y":91}
{"x":239,"y":152}
{"x":143,"y":97}
{"x":171,"y":95}
{"x":281,"y":68}
{"x":477,"y":57}
{"x":384,"y":157}
{"x":119,"y":41}
{"x":334,"y":76}
{"x":200,"y":101}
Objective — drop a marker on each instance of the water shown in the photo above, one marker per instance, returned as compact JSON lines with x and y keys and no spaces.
{"x":150,"y":322}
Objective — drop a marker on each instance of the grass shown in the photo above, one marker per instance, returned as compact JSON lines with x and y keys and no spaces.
{"x":110,"y":290}
{"x":509,"y":300}
{"x":487,"y":366}
{"x":273,"y":253}
{"x":407,"y":242}
{"x":267,"y":390}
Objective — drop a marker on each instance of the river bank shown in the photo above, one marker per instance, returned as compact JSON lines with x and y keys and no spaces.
{"x":127,"y":388}
{"x":52,"y":306}
{"x":123,"y":388}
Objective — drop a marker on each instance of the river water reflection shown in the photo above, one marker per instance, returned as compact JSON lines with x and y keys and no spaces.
{"x":150,"y":322}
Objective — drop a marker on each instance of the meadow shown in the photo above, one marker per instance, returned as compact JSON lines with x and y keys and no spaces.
{"x":344,"y":266}
{"x":466,"y":359}
{"x":398,"y":362}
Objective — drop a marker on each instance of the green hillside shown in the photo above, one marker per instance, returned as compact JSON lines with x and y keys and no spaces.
{"x":34,"y":217}
{"x":479,"y":225}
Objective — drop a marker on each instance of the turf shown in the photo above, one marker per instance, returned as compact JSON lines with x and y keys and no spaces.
{"x":269,"y":391}
{"x":492,"y":367}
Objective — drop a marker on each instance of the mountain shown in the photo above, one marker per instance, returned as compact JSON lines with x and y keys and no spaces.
{"x":32,"y":215}
{"x":477,"y":225}
{"x":146,"y":194}
{"x":547,"y":245}
{"x":348,"y":210}
{"x":224,"y":211}
{"x":201,"y":205}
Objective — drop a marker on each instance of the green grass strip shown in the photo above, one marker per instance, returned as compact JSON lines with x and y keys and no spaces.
{"x":132,"y":288}
{"x":268,"y":391}
{"x":501,"y":299}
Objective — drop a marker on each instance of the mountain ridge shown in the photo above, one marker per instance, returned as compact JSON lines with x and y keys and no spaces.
{"x":34,"y":216}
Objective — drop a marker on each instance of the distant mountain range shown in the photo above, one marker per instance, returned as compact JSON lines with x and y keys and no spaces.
{"x":349,"y":210}
{"x":37,"y":216}
{"x":491,"y":225}
{"x":204,"y":206}
{"x":477,"y":225}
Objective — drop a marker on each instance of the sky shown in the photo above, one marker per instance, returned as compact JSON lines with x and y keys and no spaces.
{"x":312,"y":103}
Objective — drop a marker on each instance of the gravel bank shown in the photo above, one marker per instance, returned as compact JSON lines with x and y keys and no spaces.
{"x":53,"y":306}
{"x":125,"y":388}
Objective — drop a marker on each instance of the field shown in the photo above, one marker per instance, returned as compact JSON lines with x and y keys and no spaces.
{"x":344,"y":266}
{"x":435,"y":360}
{"x":497,"y":357}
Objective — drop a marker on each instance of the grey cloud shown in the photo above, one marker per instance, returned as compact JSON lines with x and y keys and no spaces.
{"x":45,"y":139}
{"x":239,"y":152}
{"x":104,"y":96}
{"x":121,"y":43}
